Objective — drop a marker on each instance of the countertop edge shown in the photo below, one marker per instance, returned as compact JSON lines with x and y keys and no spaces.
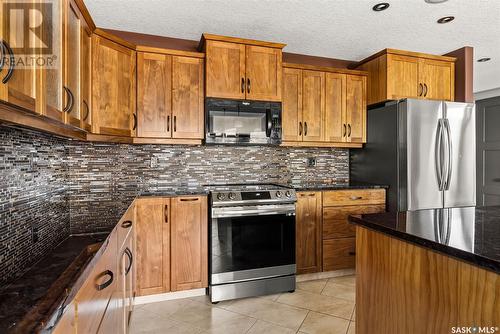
{"x":473,"y":259}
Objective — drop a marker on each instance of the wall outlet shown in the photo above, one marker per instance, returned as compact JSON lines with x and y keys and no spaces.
{"x":311,"y":162}
{"x":154,"y":161}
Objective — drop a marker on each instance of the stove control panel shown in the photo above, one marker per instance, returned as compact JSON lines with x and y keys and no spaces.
{"x":254,"y":196}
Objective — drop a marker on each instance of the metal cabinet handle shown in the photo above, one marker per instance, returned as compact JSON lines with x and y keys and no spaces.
{"x":248,"y":85}
{"x":168,"y":123}
{"x":2,"y":55}
{"x":354,"y":198}
{"x":104,"y":285}
{"x":349,"y":131}
{"x":300,"y":128}
{"x":175,"y":123}
{"x":242,"y":85}
{"x":87,"y":110}
{"x":425,"y":90}
{"x":12,"y":62}
{"x":189,"y":199}
{"x":305,"y":128}
{"x":352,"y":253}
{"x":420,"y":89}
{"x":135,"y":121}
{"x":71,"y":100}
{"x":130,"y":259}
{"x":126,"y":224}
{"x":345,"y":130}
{"x":166,"y":213}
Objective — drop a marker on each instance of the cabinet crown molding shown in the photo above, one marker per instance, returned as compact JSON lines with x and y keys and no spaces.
{"x":404,"y":53}
{"x":324,"y":69}
{"x":205,"y":37}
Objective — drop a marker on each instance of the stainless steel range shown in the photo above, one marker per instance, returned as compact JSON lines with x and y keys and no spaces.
{"x":252,"y":240}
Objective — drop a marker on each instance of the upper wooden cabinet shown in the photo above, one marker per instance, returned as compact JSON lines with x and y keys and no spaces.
{"x":396,"y":74}
{"x":308,"y":232}
{"x":323,"y":106}
{"x":170,"y":96}
{"x":113,"y":88}
{"x":242,"y":69}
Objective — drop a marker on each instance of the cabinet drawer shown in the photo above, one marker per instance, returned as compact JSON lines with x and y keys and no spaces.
{"x":335,"y":219}
{"x":339,"y":254}
{"x":353,"y":197}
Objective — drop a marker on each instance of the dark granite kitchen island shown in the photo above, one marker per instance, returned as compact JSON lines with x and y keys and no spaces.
{"x":428,"y":271}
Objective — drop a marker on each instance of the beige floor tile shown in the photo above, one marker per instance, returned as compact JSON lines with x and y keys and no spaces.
{"x":353,"y":317}
{"x":352,"y":328}
{"x":344,"y":280}
{"x":205,"y":316}
{"x":312,"y":286}
{"x":206,"y":300}
{"x":316,"y":323}
{"x":261,"y":327}
{"x":239,"y":324}
{"x":319,"y":303}
{"x":272,"y":297}
{"x":166,"y":308}
{"x":146,"y":322}
{"x":340,"y":291}
{"x":276,"y":313}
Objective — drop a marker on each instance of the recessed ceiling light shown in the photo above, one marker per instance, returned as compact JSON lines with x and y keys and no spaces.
{"x":482,"y":60}
{"x":435,"y":1}
{"x":381,"y":6}
{"x":446,"y":19}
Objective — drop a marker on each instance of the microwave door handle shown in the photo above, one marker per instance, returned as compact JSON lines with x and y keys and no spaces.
{"x":269,"y":124}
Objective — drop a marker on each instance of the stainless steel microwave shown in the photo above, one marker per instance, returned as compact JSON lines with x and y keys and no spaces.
{"x":240,"y":122}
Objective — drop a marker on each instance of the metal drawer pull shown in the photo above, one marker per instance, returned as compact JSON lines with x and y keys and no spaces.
{"x":104,"y":285}
{"x":189,"y":199}
{"x":126,"y":224}
{"x":356,"y":197}
{"x":131,"y":260}
{"x":352,"y":253}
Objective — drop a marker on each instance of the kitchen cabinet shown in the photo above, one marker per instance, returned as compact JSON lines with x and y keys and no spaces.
{"x":113,"y":88}
{"x":172,"y":250}
{"x":153,"y":245}
{"x":170,"y":96}
{"x":396,"y":74}
{"x":242,"y":69}
{"x":338,"y":235}
{"x":308,"y":232}
{"x":323,"y":106}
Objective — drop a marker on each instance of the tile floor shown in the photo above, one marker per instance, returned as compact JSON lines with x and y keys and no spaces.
{"x":316,"y":307}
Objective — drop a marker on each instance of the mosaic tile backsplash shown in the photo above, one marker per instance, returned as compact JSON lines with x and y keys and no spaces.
{"x":77,"y":187}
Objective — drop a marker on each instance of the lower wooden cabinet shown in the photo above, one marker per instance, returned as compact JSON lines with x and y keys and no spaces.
{"x":172,"y":238}
{"x":308,"y":232}
{"x":325,"y":240}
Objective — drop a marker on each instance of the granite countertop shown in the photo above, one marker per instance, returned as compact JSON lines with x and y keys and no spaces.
{"x":179,"y":191}
{"x":311,"y":186}
{"x":31,"y":299}
{"x":471,"y":234}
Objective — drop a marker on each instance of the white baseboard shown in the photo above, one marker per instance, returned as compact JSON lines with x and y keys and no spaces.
{"x":169,"y":296}
{"x":324,"y":275}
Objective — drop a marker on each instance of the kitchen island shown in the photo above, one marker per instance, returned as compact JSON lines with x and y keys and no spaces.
{"x":428,"y":271}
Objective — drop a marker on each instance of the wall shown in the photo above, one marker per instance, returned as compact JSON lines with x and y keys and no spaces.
{"x":77,"y":187}
{"x":33,"y":196}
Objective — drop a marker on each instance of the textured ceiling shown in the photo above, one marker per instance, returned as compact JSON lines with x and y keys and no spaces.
{"x":345,"y":29}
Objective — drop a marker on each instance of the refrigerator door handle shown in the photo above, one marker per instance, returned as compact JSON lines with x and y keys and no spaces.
{"x":438,"y":155}
{"x":449,"y":152}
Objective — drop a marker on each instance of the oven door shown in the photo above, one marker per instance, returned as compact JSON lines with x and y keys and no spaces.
{"x":252,"y":242}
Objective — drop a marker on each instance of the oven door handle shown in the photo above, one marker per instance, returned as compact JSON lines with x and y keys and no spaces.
{"x":227,"y":212}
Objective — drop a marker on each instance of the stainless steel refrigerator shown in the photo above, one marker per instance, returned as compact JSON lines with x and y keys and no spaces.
{"x":423,"y":150}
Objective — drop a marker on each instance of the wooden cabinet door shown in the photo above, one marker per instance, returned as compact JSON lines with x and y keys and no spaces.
{"x":153,"y":245}
{"x":402,"y":77}
{"x":336,"y":223}
{"x":339,"y":254}
{"x":335,"y":127}
{"x":438,"y":78}
{"x":292,"y":105}
{"x":313,"y":104}
{"x":18,"y":83}
{"x":154,"y":95}
{"x":189,"y":266}
{"x":85,"y":76}
{"x":308,"y":232}
{"x":113,"y":88}
{"x":72,"y":64}
{"x":225,"y":70}
{"x":92,"y":300}
{"x":187,"y":98}
{"x":356,"y":108}
{"x":263,"y":73}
